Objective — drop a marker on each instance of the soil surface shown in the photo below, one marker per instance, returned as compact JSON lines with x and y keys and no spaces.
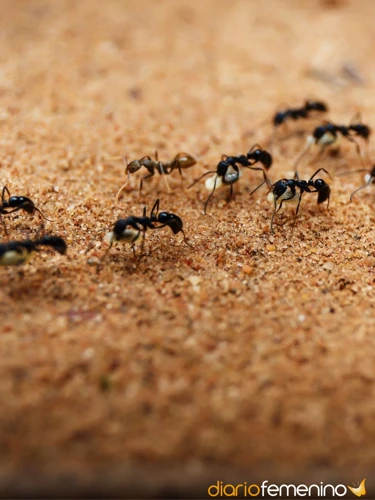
{"x":247,"y":356}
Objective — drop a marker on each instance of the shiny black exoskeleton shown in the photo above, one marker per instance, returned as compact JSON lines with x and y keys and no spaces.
{"x":13,"y":204}
{"x":228,"y":169}
{"x":19,"y":252}
{"x":357,"y":129}
{"x":297,"y":113}
{"x":329,"y":134}
{"x":133,"y":229}
{"x":287,"y":189}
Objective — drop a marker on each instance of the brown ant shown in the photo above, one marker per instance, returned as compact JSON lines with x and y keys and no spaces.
{"x":179,"y":162}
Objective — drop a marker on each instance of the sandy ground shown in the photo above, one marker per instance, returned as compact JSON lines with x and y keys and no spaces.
{"x":246,"y":357}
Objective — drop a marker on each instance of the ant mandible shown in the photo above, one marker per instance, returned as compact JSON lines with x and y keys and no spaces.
{"x":228,"y":173}
{"x":329,"y":134}
{"x":15,"y":203}
{"x":180,"y":161}
{"x":133,"y":229}
{"x":19,"y":252}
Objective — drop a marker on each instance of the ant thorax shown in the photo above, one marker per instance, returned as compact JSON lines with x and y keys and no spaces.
{"x":129,"y":235}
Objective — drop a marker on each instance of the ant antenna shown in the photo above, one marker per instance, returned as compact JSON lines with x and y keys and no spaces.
{"x":210,"y":196}
{"x":162,"y":171}
{"x":201,"y":177}
{"x":126,"y":183}
{"x":265,"y":181}
{"x":306,"y":149}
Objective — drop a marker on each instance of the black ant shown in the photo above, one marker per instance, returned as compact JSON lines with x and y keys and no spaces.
{"x":285,"y":190}
{"x":179,"y":162}
{"x":133,"y":229}
{"x":369,"y":179}
{"x":295,"y":113}
{"x":330,"y":134}
{"x":15,"y":203}
{"x":228,"y":172}
{"x":19,"y":252}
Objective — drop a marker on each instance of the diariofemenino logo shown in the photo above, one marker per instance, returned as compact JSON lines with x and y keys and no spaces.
{"x":265,"y":490}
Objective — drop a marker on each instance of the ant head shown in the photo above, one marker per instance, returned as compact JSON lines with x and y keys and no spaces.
{"x":319,"y":183}
{"x":324,"y":191}
{"x":185,"y":160}
{"x":260,"y":155}
{"x":279,"y":118}
{"x":316,"y":106}
{"x":133,"y":166}
{"x":22,"y":202}
{"x":55,"y":242}
{"x":171,"y":220}
{"x":361,"y":129}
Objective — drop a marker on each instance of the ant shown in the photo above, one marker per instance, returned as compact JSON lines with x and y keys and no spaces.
{"x":369,"y":179}
{"x":295,"y":113}
{"x":15,"y":203}
{"x":19,"y":252}
{"x":329,"y":134}
{"x":286,"y":190}
{"x":228,"y":172}
{"x":179,"y":162}
{"x":133,"y":229}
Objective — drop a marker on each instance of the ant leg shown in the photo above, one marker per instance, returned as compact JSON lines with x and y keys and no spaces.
{"x":256,"y":189}
{"x":265,"y":180}
{"x":151,"y":174}
{"x":164,"y":173}
{"x":155,"y":208}
{"x":318,"y":155}
{"x":274,"y":212}
{"x":185,"y":239}
{"x":201,"y":177}
{"x":142,"y":243}
{"x":5,"y":190}
{"x":210,"y":196}
{"x":4,"y":226}
{"x":230,"y":193}
{"x":297,"y":209}
{"x":306,"y":149}
{"x":319,"y":170}
{"x":121,"y":189}
{"x":362,"y":187}
{"x":358,"y":149}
